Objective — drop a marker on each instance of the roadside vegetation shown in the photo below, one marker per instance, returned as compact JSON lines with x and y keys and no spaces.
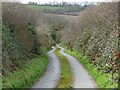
{"x":24,"y":54}
{"x":28,"y":32}
{"x":102,"y":79}
{"x":26,"y":41}
{"x":28,"y":74}
{"x":96,"y":35}
{"x":54,"y":25}
{"x":19,"y":38}
{"x":66,"y":74}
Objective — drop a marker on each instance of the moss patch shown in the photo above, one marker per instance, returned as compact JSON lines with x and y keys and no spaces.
{"x":66,"y":78}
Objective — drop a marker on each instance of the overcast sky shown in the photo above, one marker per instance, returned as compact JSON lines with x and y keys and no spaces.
{"x":46,"y":1}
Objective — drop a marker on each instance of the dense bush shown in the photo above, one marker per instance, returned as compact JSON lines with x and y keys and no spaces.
{"x":20,"y":37}
{"x":97,"y":37}
{"x":16,"y":18}
{"x":18,"y":42}
{"x":55,"y":24}
{"x":102,"y":79}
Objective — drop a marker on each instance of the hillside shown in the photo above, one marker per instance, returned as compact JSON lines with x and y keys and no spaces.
{"x":58,"y":9}
{"x":20,"y":42}
{"x":83,"y":45}
{"x":95,"y":35}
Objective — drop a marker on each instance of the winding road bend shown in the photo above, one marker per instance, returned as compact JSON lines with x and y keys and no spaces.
{"x":53,"y":73}
{"x":81,"y":78}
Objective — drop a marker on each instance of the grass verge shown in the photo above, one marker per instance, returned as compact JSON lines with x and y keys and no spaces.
{"x":102,"y":79}
{"x":30,"y":73}
{"x":66,"y":74}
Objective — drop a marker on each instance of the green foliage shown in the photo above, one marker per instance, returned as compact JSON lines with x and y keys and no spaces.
{"x":20,"y":45}
{"x":18,"y":42}
{"x":31,"y":28}
{"x":30,"y":73}
{"x":66,"y":74}
{"x":54,"y":36}
{"x":55,"y":24}
{"x":32,"y":31}
{"x":72,"y":8}
{"x":19,"y":37}
{"x":58,"y":24}
{"x":97,"y":37}
{"x":103,"y":80}
{"x":11,"y":50}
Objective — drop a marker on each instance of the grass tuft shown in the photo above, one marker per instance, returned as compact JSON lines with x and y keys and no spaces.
{"x":102,"y":79}
{"x":66,"y":74}
{"x":30,"y":73}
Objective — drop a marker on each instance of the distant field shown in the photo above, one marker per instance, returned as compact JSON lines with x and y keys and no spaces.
{"x":50,"y":8}
{"x":64,"y":10}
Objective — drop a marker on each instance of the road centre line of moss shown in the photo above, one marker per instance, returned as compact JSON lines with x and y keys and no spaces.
{"x":66,"y":72}
{"x":82,"y":79}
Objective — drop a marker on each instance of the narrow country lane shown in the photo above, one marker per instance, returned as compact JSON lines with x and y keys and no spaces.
{"x":52,"y":75}
{"x":81,"y":77}
{"x":59,"y":44}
